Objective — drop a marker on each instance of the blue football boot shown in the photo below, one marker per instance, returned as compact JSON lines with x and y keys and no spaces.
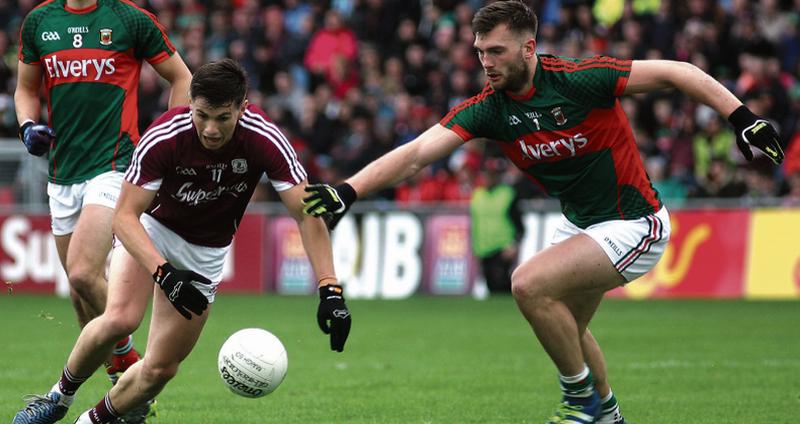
{"x":45,"y":409}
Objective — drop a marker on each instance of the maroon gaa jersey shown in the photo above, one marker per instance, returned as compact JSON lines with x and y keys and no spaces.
{"x":202,"y":194}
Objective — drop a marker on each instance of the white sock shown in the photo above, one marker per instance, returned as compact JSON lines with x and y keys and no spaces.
{"x":607,"y":397}
{"x":84,"y":419}
{"x":579,"y":385}
{"x":65,"y":400}
{"x":575,"y":378}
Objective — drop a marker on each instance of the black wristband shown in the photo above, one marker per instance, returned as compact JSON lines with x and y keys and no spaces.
{"x":742,"y":117}
{"x":25,"y":125}
{"x":347,"y":193}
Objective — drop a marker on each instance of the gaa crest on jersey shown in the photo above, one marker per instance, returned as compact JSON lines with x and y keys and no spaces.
{"x":558,"y":115}
{"x":50,"y":36}
{"x":239,"y":166}
{"x":105,"y":36}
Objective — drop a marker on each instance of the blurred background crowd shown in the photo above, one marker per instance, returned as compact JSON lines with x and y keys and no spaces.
{"x":348,"y":80}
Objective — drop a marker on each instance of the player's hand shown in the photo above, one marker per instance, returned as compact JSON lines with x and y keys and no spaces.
{"x":330,"y":203}
{"x":36,"y":137}
{"x":332,"y":308}
{"x":752,"y":130}
{"x":177,"y":285}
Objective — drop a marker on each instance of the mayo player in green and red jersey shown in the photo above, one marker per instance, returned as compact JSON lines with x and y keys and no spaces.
{"x":87,"y":54}
{"x":559,"y":120}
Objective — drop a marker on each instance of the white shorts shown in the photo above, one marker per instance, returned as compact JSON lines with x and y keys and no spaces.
{"x":634,"y":246}
{"x":66,"y":201}
{"x":204,"y":260}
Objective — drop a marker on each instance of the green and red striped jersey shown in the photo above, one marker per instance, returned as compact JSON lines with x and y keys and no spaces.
{"x":91,"y":59}
{"x":570,"y":135}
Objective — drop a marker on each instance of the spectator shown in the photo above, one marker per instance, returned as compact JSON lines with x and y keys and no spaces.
{"x":287,"y":95}
{"x":334,"y":39}
{"x":496,"y":221}
{"x":673,"y":191}
{"x":296,"y":13}
{"x":722,"y":181}
{"x":219,"y":36}
{"x":713,"y":142}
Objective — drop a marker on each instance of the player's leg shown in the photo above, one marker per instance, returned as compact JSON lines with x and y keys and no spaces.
{"x":129,"y":290}
{"x":92,"y":242}
{"x":574,"y":268}
{"x":84,"y":311}
{"x":66,"y":203}
{"x":171,"y":336}
{"x":86,"y":262}
{"x":64,"y":210}
{"x":169,"y":342}
{"x":634,"y":247}
{"x":610,"y":412}
{"x":594,"y":357}
{"x":583,"y":308}
{"x":127,"y":302}
{"x":87,"y":253}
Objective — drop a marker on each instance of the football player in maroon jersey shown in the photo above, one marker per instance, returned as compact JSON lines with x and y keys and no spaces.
{"x":190,"y":180}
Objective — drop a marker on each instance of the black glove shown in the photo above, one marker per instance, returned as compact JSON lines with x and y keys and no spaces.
{"x":177,"y":285}
{"x":36,"y":137}
{"x":332,"y":308}
{"x":331,"y":203}
{"x":754,"y":131}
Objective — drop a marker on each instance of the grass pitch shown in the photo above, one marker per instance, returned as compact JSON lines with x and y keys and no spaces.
{"x":446,"y":360}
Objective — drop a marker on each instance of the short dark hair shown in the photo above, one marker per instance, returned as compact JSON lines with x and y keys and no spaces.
{"x":220,"y":83}
{"x":514,"y":13}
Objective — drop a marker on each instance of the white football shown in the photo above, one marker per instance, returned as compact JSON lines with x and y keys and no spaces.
{"x":252,"y":362}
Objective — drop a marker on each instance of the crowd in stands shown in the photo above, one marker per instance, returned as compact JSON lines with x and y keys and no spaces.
{"x":348,"y":80}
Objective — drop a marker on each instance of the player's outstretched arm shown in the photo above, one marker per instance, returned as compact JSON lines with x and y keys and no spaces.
{"x":751,"y":130}
{"x":333,"y":316}
{"x":174,"y":70}
{"x":651,"y":75}
{"x":406,"y":160}
{"x":401,"y":163}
